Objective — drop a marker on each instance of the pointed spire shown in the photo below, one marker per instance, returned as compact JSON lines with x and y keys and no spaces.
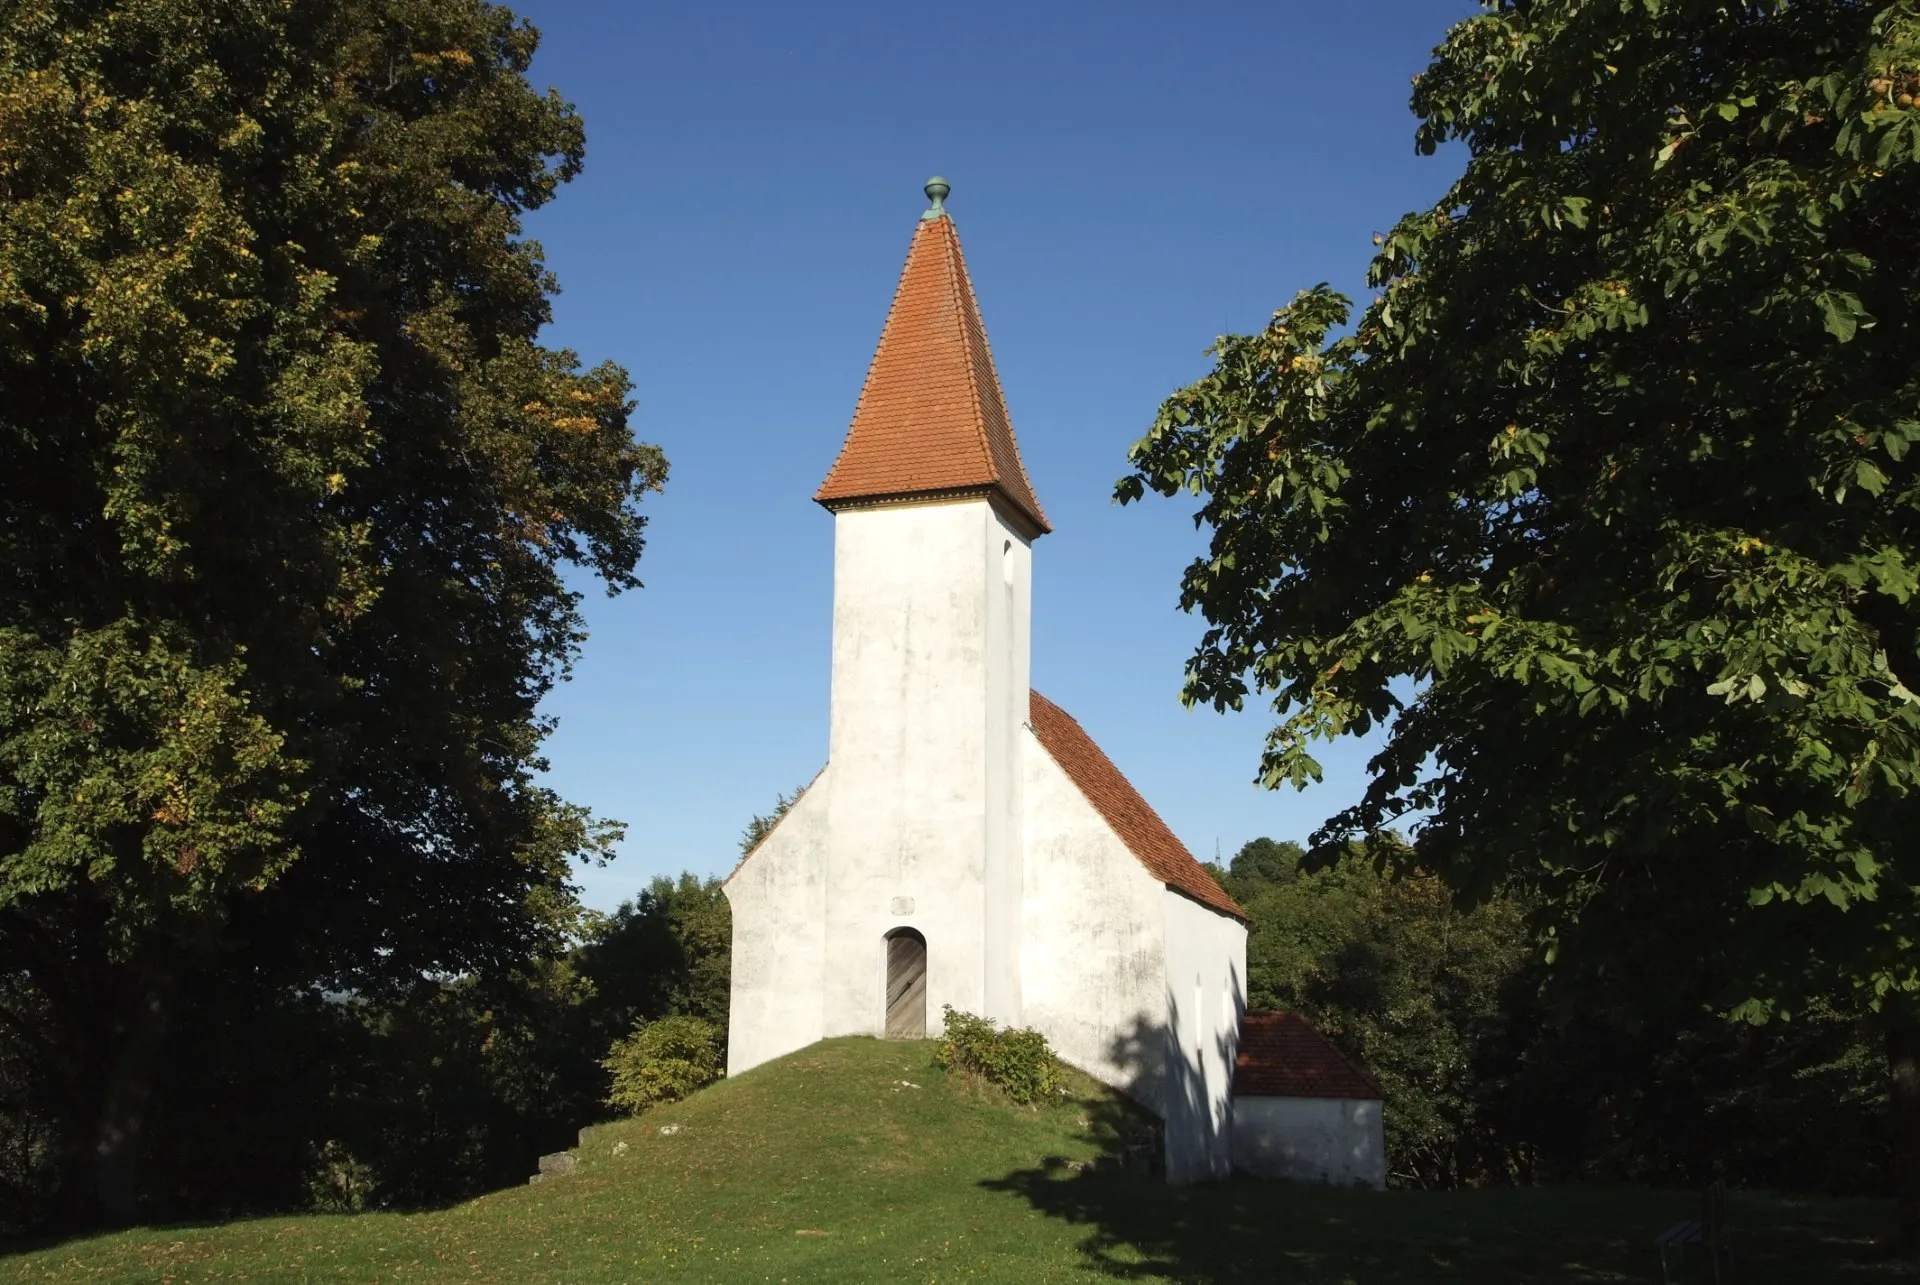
{"x":931,"y":418}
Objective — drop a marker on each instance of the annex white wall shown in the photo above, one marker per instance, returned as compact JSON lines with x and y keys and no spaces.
{"x":1206,"y":994}
{"x":931,"y":602}
{"x":1337,"y":1141}
{"x":779,"y":900}
{"x":1093,"y":947}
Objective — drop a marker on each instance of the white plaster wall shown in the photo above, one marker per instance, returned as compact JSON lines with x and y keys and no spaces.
{"x":1093,"y":948}
{"x":927,"y":642}
{"x":1008,"y":569}
{"x":779,"y":902}
{"x":1337,"y":1141}
{"x":1206,"y":995}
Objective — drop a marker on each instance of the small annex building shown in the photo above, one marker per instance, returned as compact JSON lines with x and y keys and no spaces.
{"x":1302,"y":1109}
{"x":967,"y":843}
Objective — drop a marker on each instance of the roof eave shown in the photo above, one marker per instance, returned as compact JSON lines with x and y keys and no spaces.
{"x":1030,"y":524}
{"x":1236,"y":913}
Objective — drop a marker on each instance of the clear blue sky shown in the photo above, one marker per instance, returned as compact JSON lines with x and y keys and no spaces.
{"x":1129,"y":181}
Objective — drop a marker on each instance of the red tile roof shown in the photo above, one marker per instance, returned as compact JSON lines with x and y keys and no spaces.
{"x":1282,"y":1056}
{"x":1115,"y":799}
{"x":931,"y":417}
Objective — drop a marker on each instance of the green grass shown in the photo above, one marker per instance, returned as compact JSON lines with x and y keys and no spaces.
{"x":824,"y":1167}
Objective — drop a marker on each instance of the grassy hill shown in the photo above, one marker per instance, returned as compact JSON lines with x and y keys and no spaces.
{"x":825,"y":1166}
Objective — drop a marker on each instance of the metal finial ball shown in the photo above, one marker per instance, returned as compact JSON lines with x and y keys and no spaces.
{"x":936,"y":189}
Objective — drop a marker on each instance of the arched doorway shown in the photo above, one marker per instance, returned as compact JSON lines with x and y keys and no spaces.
{"x":906,"y":985}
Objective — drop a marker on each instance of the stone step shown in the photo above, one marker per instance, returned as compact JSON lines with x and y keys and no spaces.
{"x":563,"y":1162}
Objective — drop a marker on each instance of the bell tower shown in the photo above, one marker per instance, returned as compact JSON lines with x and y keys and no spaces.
{"x":934,"y":524}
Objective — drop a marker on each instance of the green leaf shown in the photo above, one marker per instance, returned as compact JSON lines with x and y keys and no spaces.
{"x":1841,"y":313}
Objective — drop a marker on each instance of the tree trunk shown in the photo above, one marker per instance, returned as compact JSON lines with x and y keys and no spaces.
{"x":123,"y":1113}
{"x":101,"y":1182}
{"x":1903,"y":1064}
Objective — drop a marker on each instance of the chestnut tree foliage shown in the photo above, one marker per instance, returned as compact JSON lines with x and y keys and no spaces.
{"x":1604,"y":510}
{"x":287,"y":487}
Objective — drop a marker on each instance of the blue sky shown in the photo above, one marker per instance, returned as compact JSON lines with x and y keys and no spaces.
{"x":1129,"y":181}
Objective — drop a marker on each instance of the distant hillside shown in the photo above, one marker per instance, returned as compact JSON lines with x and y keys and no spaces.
{"x":854,"y":1161}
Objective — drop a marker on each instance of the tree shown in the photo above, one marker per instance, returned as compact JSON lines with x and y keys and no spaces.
{"x":667,"y":952}
{"x":440,"y":1094}
{"x":1498,"y":1068}
{"x":287,"y":484}
{"x":1421,"y":993}
{"x":1605,"y":510}
{"x":762,"y":826}
{"x":1261,"y":862}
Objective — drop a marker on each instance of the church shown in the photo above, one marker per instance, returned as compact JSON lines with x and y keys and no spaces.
{"x":967,"y":843}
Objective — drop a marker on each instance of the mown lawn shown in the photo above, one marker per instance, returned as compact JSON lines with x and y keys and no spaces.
{"x":824,"y":1166}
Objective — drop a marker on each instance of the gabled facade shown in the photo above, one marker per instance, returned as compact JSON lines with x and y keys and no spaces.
{"x":967,"y":843}
{"x":1302,"y":1109}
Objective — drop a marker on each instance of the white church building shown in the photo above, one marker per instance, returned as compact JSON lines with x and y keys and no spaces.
{"x":967,"y":843}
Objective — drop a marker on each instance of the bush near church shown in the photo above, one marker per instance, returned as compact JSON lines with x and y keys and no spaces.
{"x":662,"y":1062}
{"x":1018,"y":1060}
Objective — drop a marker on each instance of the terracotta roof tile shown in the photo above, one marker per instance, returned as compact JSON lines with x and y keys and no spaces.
{"x":1282,"y":1056}
{"x":1115,"y":799}
{"x":931,"y":416}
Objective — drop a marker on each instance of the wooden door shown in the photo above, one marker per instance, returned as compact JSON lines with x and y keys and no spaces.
{"x":906,"y":986}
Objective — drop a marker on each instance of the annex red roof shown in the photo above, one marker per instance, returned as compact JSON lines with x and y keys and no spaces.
{"x":1282,"y":1056}
{"x":1131,"y":817}
{"x":931,"y":418}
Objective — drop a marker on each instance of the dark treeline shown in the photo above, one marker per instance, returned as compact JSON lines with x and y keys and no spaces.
{"x":1500,"y":1067}
{"x":338,"y":1102}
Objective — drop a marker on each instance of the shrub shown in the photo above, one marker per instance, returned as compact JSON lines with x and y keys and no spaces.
{"x":340,"y":1182}
{"x":663,"y":1062}
{"x":1017,"y":1060}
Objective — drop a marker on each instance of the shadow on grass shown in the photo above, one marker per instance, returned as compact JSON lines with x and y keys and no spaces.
{"x":1138,"y":1227}
{"x":1246,"y":1230}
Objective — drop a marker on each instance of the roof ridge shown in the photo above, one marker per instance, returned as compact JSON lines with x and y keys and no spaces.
{"x":1149,"y":838}
{"x":1352,"y":1062}
{"x":961,"y":283}
{"x":1359,"y":1070}
{"x":778,"y":821}
{"x":992,"y":375}
{"x":886,"y":334}
{"x":1283,"y":1054}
